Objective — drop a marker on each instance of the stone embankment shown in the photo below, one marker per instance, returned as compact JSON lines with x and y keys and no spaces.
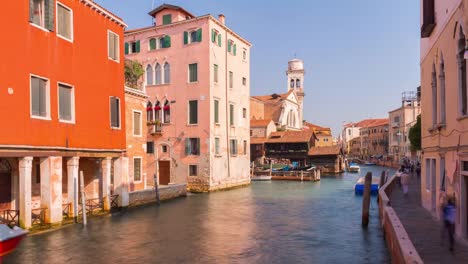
{"x":165,"y":193}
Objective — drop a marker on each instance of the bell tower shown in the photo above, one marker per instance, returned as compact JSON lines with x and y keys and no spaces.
{"x":295,"y":75}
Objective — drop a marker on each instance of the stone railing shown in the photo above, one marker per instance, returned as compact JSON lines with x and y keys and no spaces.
{"x":165,"y":193}
{"x":399,"y":244}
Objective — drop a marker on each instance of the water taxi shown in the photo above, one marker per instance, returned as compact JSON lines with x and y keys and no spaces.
{"x":353,"y":167}
{"x":10,"y":238}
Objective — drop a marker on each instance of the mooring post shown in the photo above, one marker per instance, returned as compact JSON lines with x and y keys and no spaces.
{"x":156,"y":189}
{"x":83,"y":198}
{"x":382,"y":179}
{"x":366,"y":199}
{"x":302,"y":175}
{"x":271,"y":168}
{"x":253,"y":169}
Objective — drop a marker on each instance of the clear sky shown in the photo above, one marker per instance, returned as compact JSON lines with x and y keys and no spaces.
{"x":359,"y":54}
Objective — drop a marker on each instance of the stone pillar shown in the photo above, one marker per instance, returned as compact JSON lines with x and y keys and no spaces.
{"x":106,"y":178}
{"x":14,"y":190}
{"x":25,"y":170}
{"x":121,"y":180}
{"x":72,"y":183}
{"x":51,"y":188}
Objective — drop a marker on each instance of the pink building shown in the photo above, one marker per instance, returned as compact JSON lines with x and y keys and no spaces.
{"x":198,"y":81}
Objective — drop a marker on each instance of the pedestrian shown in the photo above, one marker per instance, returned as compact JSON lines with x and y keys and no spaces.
{"x":449,"y":220}
{"x":405,"y":179}
{"x":418,"y":169}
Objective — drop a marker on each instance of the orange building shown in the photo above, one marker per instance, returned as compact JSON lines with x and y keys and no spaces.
{"x":62,"y":94}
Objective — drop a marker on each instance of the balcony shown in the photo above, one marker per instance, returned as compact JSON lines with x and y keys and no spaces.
{"x":395,"y":124}
{"x":154,"y":127}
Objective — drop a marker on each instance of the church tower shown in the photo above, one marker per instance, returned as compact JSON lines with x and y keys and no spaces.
{"x":295,"y":75}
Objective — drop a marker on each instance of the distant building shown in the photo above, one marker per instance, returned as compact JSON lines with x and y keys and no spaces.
{"x":197,"y":80}
{"x":323,"y":135}
{"x":374,"y":140}
{"x":355,"y":137}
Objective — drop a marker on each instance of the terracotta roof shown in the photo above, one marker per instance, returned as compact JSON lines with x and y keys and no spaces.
{"x":260,"y":122}
{"x":167,"y":6}
{"x":273,"y":98}
{"x":290,"y":136}
{"x":369,"y":122}
{"x":314,"y":126}
{"x":324,"y":151}
{"x":257,"y":140}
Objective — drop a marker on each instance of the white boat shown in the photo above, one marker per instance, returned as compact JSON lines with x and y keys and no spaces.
{"x":10,"y":238}
{"x":353,"y":167}
{"x":261,"y":178}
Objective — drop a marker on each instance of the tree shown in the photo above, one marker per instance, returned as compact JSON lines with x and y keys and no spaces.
{"x":133,"y":72}
{"x":415,"y":135}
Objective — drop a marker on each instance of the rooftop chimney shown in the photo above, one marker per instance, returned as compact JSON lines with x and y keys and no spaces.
{"x":222,"y":19}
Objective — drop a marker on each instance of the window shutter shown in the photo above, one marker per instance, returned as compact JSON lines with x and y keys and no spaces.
{"x":137,"y":46}
{"x":219,"y":40}
{"x":197,"y":150}
{"x":49,"y":14}
{"x":185,"y":37}
{"x":229,"y":46}
{"x":196,"y":72}
{"x":216,"y":111}
{"x":199,"y":35}
{"x":152,"y":44}
{"x":235,"y":49}
{"x":167,"y":41}
{"x":213,"y":35}
{"x":126,"y":48}
{"x":31,"y":11}
{"x":187,"y":146}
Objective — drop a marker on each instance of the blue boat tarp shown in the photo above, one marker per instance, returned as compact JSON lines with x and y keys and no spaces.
{"x":359,"y":186}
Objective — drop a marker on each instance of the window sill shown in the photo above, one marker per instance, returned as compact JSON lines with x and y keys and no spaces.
{"x":40,"y":27}
{"x":189,"y":82}
{"x":71,"y":122}
{"x":166,"y":124}
{"x":65,"y":38}
{"x":138,"y":136}
{"x":462,"y":118}
{"x":234,"y":155}
{"x":114,"y":60}
{"x":41,"y":118}
{"x":217,"y":124}
{"x":218,"y":156}
{"x":116,"y":128}
{"x":192,"y":125}
{"x":138,"y":182}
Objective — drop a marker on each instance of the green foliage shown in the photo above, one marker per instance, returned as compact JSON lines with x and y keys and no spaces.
{"x":133,"y":72}
{"x":415,"y":135}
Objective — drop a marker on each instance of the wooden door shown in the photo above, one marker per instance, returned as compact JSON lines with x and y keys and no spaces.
{"x":164,"y":172}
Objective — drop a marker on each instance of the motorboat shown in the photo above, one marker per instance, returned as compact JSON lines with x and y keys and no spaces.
{"x":359,"y":186}
{"x":353,"y":167}
{"x":10,"y":238}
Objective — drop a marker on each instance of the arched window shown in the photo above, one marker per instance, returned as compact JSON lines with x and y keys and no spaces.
{"x":149,"y":75}
{"x":434,"y":96}
{"x":287,"y":119}
{"x":161,"y":43}
{"x":292,"y":83}
{"x":298,"y":83}
{"x":462,"y":73}
{"x":157,"y":111}
{"x":167,"y":112}
{"x":294,"y":120}
{"x":152,"y":44}
{"x":442,"y":89}
{"x":158,"y":74}
{"x":167,"y":73}
{"x":149,"y":112}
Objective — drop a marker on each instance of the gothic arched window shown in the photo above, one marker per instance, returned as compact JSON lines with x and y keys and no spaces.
{"x":158,"y":74}
{"x":442,"y":90}
{"x":167,"y":112}
{"x":462,"y":73}
{"x":149,"y":75}
{"x":434,"y":96}
{"x":298,"y":83}
{"x":167,"y":73}
{"x":292,"y":83}
{"x":149,"y":112}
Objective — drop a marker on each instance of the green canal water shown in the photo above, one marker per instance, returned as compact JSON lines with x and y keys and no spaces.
{"x":268,"y":222}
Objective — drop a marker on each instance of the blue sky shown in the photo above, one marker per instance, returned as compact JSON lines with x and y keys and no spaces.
{"x":359,"y":54}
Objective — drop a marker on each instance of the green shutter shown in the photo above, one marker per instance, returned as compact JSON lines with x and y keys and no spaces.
{"x":199,"y":35}
{"x":213,"y":35}
{"x":198,"y":146}
{"x":187,"y":146}
{"x":126,"y":48}
{"x":185,"y":37}
{"x":137,"y":46}
{"x":219,"y":40}
{"x":235,"y":49}
{"x":196,"y":72}
{"x":167,"y":19}
{"x":167,"y":41}
{"x":31,"y":13}
{"x":49,"y":14}
{"x":152,"y":43}
{"x":216,"y":111}
{"x":229,"y":46}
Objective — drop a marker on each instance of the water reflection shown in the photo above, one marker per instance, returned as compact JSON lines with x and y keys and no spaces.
{"x":269,"y":222}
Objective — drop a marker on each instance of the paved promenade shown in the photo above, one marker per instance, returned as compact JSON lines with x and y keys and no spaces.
{"x":424,"y":231}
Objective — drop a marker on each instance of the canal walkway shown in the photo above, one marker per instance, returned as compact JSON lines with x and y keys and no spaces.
{"x":423,"y":229}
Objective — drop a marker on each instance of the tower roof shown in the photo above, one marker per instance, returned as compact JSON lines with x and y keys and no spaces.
{"x":295,"y":65}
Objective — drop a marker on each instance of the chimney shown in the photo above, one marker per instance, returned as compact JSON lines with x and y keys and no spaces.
{"x":222,"y":19}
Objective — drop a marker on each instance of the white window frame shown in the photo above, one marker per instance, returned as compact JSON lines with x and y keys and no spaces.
{"x":48,"y":117}
{"x":120,"y":113}
{"x":230,"y":147}
{"x":141,"y":169}
{"x":73,"y":120}
{"x":188,"y":170}
{"x":57,"y":22}
{"x":244,"y":54}
{"x":133,"y":123}
{"x":118,"y":46}
{"x":190,"y":31}
{"x":41,"y":27}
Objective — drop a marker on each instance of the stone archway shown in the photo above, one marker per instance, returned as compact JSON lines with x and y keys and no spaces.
{"x":5,"y":185}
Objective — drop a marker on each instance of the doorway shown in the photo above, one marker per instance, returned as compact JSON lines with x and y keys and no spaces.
{"x":164,"y":172}
{"x":5,"y":185}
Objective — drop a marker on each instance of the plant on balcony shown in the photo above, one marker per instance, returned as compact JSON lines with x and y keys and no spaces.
{"x":133,"y":72}
{"x":156,"y":122}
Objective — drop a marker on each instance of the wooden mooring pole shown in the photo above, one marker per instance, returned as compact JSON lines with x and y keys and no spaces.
{"x":156,"y":189}
{"x":366,"y":199}
{"x":271,"y":168}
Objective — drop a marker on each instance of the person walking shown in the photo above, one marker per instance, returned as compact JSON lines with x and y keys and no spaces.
{"x":405,"y":180}
{"x":449,"y":220}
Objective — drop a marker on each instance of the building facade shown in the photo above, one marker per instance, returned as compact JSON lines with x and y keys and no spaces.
{"x":374,"y":140}
{"x":63,"y":111}
{"x":198,"y":84}
{"x":444,"y":111}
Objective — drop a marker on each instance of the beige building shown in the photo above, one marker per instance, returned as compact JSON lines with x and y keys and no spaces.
{"x":445,"y":111}
{"x":374,"y":140}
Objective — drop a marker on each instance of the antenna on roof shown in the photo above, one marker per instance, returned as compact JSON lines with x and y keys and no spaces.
{"x":295,"y":55}
{"x":152,"y":6}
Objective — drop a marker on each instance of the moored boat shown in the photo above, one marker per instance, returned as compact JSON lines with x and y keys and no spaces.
{"x":353,"y":167}
{"x":261,"y":178}
{"x":10,"y":238}
{"x":359,"y":186}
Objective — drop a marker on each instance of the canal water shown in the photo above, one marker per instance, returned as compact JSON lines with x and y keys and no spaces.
{"x":268,"y":222}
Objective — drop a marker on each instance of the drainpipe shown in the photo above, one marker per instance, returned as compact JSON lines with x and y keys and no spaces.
{"x":227,"y":104}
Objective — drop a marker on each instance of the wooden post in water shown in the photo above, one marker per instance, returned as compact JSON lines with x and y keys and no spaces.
{"x":366,"y":199}
{"x":382,"y":179}
{"x":83,"y":198}
{"x":271,"y":168}
{"x":156,"y":189}
{"x":302,"y":175}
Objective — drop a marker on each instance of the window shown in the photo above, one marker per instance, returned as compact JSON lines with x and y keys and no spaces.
{"x":298,"y":83}
{"x":434,"y":96}
{"x":113,"y":46}
{"x":134,"y":47}
{"x":244,"y":54}
{"x":40,"y":97}
{"x":244,"y":81}
{"x":66,"y":103}
{"x":233,"y":145}
{"x":167,"y":19}
{"x":115,"y":112}
{"x":152,"y":44}
{"x":167,"y":112}
{"x":292,"y":83}
{"x":164,"y":149}
{"x":193,"y":72}
{"x":158,"y":74}
{"x":216,"y":37}
{"x":232,"y":47}
{"x":217,"y":146}
{"x":41,"y":13}
{"x":428,"y":14}
{"x":150,"y":147}
{"x":193,"y":170}
{"x":231,"y":79}
{"x":64,"y":22}
{"x":157,"y":111}
{"x":251,"y":132}
{"x":216,"y":111}
{"x":442,"y":116}
{"x":215,"y":73}
{"x":193,"y":112}
{"x":462,"y":74}
{"x":136,"y":123}
{"x":136,"y":169}
{"x":245,"y":147}
{"x":349,"y":132}
{"x":430,"y":173}
{"x":192,"y":146}
{"x":442,"y":174}
{"x":149,"y":75}
{"x":244,"y":112}
{"x":167,"y":73}
{"x":149,"y":112}
{"x":38,"y":173}
{"x":231,"y":114}
{"x":192,"y":36}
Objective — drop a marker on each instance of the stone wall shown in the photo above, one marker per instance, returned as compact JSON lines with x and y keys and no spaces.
{"x":165,"y":193}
